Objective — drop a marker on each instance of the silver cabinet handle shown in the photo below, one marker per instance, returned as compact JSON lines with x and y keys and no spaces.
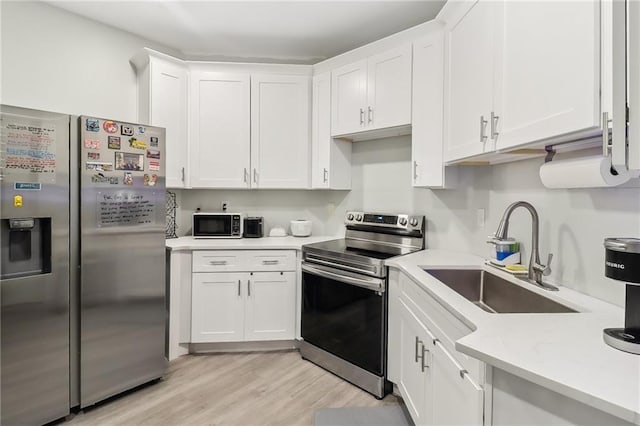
{"x":423,"y":364}
{"x":183,"y":174}
{"x":245,"y":175}
{"x":217,"y":262}
{"x":249,"y":287}
{"x":606,"y":140}
{"x":462,"y":373}
{"x":418,"y":343}
{"x":494,"y":125}
{"x":361,"y":116}
{"x":255,"y":175}
{"x":324,"y":175}
{"x":415,"y":170}
{"x":483,"y":124}
{"x":270,"y":262}
{"x":238,"y":288}
{"x":369,"y":115}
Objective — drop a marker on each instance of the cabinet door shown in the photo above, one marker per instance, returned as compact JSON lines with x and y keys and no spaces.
{"x":348,"y":98}
{"x":168,"y":109}
{"x":469,"y":86}
{"x":415,"y":381}
{"x":217,"y":307}
{"x":330,"y":158}
{"x":547,"y":79}
{"x":458,"y":400}
{"x":389,"y":89}
{"x":220,"y":130}
{"x":280,"y":131}
{"x":427,"y":129}
{"x":271,"y":306}
{"x":321,"y":131}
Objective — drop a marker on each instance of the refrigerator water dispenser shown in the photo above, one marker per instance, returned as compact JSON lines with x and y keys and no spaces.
{"x":26,"y":247}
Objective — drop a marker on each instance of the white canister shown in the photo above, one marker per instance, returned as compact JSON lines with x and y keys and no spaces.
{"x":300,"y":228}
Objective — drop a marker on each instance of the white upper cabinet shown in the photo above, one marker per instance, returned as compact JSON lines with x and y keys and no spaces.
{"x":522,"y":72}
{"x":348,"y":98}
{"x":547,"y":79}
{"x":220,"y":130}
{"x":280,"y":131}
{"x":469,"y":84}
{"x":163,"y":87}
{"x":372,"y":94}
{"x":427,"y":139}
{"x":389,"y":89}
{"x":330,"y":159}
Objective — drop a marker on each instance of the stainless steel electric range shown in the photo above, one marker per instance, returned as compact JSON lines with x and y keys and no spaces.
{"x":344,"y":296}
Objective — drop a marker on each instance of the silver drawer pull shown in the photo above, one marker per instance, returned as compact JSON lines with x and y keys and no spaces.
{"x":418,"y":343}
{"x":483,"y":124}
{"x":238,"y":287}
{"x":423,"y":364}
{"x":270,"y":262}
{"x":217,"y":262}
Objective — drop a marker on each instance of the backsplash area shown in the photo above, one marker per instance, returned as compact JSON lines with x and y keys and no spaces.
{"x":324,"y":208}
{"x":573,"y":223}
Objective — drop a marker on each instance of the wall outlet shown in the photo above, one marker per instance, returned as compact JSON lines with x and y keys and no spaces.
{"x":224,"y":206}
{"x":480,"y":218}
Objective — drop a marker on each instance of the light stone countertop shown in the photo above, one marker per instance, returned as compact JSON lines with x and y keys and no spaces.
{"x":267,"y":243}
{"x":562,"y":352}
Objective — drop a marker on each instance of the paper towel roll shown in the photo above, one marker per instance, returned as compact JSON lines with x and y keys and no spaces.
{"x":585,"y":172}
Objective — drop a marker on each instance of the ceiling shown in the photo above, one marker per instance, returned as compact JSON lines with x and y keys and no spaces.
{"x":301,"y":31}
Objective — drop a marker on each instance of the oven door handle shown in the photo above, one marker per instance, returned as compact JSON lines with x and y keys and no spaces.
{"x":368,"y":283}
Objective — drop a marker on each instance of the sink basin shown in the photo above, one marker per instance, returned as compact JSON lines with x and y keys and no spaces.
{"x":494,"y":294}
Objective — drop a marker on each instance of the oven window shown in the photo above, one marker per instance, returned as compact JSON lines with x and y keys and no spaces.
{"x":213,"y":226}
{"x":345,"y":320}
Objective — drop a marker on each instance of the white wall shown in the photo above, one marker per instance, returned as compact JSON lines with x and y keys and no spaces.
{"x":56,"y":61}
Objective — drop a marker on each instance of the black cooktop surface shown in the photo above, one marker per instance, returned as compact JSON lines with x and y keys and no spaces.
{"x":344,"y":246}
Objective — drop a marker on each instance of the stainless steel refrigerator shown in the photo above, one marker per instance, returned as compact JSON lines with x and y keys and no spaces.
{"x":83,"y":269}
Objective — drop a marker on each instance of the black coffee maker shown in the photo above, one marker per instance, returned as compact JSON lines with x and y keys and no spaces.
{"x":622,"y":263}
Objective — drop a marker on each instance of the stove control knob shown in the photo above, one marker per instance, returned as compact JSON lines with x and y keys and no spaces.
{"x":359,"y":217}
{"x":413,"y":221}
{"x":350,"y":216}
{"x":403,"y":221}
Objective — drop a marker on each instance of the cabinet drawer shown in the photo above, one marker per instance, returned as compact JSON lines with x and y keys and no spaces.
{"x":271,"y":260}
{"x":219,"y":261}
{"x":445,"y":327}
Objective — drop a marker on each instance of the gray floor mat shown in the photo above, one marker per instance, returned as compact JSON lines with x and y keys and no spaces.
{"x":392,"y":415}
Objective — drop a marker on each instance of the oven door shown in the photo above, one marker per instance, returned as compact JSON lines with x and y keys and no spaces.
{"x":345,"y":314}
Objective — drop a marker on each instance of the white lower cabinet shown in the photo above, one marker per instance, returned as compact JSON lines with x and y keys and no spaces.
{"x":415,"y":381}
{"x":457,"y":400}
{"x":217,"y":307}
{"x":256,"y":305}
{"x":435,"y":387}
{"x":270,"y":306}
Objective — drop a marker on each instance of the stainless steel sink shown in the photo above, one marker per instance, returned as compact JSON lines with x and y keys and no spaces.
{"x":494,"y":294}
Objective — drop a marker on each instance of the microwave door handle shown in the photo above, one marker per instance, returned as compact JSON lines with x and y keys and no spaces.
{"x":371,"y":283}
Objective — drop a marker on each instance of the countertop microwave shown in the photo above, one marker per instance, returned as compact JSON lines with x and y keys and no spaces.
{"x":218,"y":225}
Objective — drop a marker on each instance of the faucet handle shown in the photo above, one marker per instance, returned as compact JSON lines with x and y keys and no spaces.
{"x":547,"y":268}
{"x":544,"y":269}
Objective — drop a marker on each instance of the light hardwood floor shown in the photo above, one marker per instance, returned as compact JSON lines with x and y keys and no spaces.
{"x":265,"y":388}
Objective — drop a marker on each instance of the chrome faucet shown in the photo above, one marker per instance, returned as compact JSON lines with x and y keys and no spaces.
{"x":536,"y":269}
